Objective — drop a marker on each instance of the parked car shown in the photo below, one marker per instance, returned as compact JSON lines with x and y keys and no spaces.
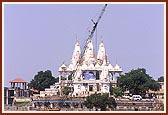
{"x":126,"y":96}
{"x":136,"y":98}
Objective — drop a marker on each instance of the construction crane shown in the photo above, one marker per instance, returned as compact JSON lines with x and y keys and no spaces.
{"x":90,"y":37}
{"x":79,"y":62}
{"x":92,"y":32}
{"x":95,"y":24}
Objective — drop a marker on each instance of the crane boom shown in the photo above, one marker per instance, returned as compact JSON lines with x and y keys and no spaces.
{"x":95,"y":24}
{"x":93,"y":30}
{"x":88,"y":39}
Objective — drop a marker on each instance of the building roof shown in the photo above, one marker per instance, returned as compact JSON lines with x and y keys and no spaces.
{"x":63,"y":66}
{"x":110,"y":67}
{"x":117,"y":68}
{"x":17,"y":80}
{"x":159,"y":91}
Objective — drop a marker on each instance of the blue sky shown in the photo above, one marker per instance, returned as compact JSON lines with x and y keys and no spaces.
{"x":39,"y":37}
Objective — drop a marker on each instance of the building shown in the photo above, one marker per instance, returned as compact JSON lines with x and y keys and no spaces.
{"x":92,"y":74}
{"x":160,"y":93}
{"x":17,"y":90}
{"x":86,"y":73}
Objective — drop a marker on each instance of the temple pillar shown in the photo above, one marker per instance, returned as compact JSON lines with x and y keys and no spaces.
{"x":59,"y":78}
{"x":114,"y":76}
{"x":67,"y":76}
{"x":51,"y":105}
{"x":33,"y":105}
{"x":94,"y":72}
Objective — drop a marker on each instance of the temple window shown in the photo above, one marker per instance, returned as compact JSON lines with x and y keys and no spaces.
{"x":85,"y":84}
{"x":97,"y":75}
{"x":90,"y":87}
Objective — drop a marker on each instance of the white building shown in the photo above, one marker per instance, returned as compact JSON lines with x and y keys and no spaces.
{"x":89,"y":73}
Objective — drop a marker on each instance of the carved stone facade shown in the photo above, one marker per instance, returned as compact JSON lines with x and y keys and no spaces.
{"x":93,"y":74}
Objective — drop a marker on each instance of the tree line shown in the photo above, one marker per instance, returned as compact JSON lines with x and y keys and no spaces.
{"x":136,"y":81}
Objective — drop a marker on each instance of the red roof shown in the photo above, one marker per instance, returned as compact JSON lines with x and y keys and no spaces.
{"x":18,"y":80}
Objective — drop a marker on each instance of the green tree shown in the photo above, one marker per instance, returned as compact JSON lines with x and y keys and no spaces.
{"x":42,"y":80}
{"x":100,"y":101}
{"x":57,"y":79}
{"x":161,"y":79}
{"x":111,"y":89}
{"x":66,"y":90}
{"x":137,"y":82}
{"x":117,"y":91}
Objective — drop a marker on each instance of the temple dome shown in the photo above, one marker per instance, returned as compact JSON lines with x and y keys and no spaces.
{"x":97,"y":66}
{"x":91,"y":67}
{"x":110,"y":67}
{"x":117,"y":68}
{"x":71,"y":66}
{"x":84,"y":67}
{"x":63,"y":67}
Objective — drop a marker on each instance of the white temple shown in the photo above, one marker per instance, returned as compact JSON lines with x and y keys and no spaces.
{"x":92,"y":74}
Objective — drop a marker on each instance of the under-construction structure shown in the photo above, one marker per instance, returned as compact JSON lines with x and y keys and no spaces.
{"x":87,"y":73}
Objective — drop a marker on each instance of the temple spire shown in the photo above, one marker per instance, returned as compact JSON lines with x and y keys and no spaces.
{"x":77,"y":41}
{"x":101,"y":39}
{"x":89,"y":56}
{"x":101,"y":56}
{"x":76,"y":53}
